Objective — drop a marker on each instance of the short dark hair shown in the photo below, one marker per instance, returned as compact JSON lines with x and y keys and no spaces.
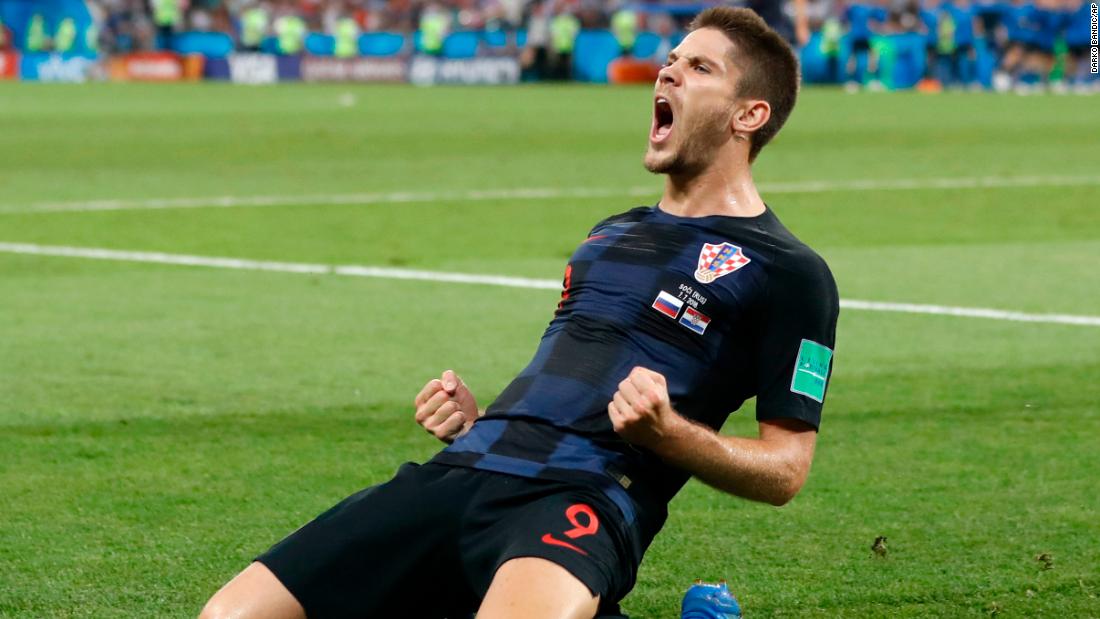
{"x":769,"y":69}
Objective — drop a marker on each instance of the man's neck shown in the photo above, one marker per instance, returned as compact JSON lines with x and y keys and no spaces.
{"x":718,"y":190}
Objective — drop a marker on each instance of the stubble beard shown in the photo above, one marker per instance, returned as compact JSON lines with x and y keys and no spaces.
{"x":688,"y":156}
{"x":680,"y":161}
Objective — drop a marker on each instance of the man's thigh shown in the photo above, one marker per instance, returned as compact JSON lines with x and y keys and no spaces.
{"x":376,"y":552}
{"x":558,"y":594}
{"x":573,"y":529}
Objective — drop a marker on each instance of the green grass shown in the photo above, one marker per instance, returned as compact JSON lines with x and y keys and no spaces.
{"x":159,"y":426}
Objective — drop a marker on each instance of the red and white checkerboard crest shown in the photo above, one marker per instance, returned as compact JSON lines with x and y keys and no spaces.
{"x":718,"y":260}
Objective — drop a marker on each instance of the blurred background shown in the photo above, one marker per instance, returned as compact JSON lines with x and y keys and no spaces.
{"x":1022,"y":46}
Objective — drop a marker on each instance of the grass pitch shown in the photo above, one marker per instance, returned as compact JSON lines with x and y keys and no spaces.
{"x":160,"y":426}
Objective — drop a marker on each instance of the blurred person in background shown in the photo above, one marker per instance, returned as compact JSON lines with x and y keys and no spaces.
{"x":126,"y":26}
{"x":930,"y":21}
{"x":64,"y":38}
{"x":1039,"y":24}
{"x":1016,"y":45}
{"x":1079,"y":45}
{"x":494,"y":16}
{"x":564,"y":28}
{"x":624,"y":26}
{"x":535,"y":58}
{"x":825,"y":17}
{"x":903,"y":21}
{"x":199,"y":18}
{"x":94,"y":30}
{"x":167,"y":16}
{"x":955,"y":45}
{"x":255,"y":25}
{"x":37,"y":38}
{"x":990,"y":14}
{"x":339,"y":20}
{"x":864,"y":21}
{"x":435,"y":24}
{"x":290,"y":29}
{"x":5,"y":38}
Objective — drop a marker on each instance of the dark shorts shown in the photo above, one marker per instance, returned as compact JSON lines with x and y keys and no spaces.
{"x":1079,"y":51}
{"x":427,"y":543}
{"x":861,"y":45}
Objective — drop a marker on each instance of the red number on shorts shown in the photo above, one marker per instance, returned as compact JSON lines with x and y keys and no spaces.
{"x":578,"y":530}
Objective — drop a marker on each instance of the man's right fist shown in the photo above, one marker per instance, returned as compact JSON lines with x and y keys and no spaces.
{"x":445,"y":407}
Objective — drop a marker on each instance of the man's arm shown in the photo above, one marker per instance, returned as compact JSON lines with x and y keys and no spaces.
{"x":771,"y":468}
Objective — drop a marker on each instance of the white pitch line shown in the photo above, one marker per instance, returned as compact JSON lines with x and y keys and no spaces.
{"x":489,"y":280}
{"x":540,"y":193}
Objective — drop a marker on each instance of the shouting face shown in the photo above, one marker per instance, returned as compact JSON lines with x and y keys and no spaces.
{"x":693,"y":104}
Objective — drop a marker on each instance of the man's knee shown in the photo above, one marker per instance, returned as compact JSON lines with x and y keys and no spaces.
{"x":214,"y":609}
{"x":255,"y":592}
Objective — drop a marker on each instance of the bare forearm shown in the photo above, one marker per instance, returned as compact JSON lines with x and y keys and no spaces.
{"x":749,"y":468}
{"x":770,"y":469}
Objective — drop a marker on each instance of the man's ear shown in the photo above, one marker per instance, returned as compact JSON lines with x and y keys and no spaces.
{"x":749,"y":116}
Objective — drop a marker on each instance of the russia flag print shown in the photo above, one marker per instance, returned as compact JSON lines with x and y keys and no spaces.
{"x":667,"y":305}
{"x":695,"y":320}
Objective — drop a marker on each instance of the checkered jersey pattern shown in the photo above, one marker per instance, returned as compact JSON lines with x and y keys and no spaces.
{"x":551,"y":421}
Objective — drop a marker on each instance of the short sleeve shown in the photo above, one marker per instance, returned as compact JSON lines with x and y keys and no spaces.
{"x":795,"y":349}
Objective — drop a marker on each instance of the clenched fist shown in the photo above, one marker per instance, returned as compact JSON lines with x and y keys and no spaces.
{"x":445,"y":407}
{"x":640,"y":411}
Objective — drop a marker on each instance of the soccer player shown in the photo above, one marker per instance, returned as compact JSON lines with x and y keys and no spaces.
{"x":671,"y":317}
{"x":956,"y":21}
{"x":1079,"y":44}
{"x":865,"y":19}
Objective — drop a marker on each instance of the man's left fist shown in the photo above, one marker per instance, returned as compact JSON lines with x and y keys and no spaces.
{"x":640,"y":411}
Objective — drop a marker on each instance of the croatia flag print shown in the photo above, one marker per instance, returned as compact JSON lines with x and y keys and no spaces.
{"x":667,"y":304}
{"x":695,"y":320}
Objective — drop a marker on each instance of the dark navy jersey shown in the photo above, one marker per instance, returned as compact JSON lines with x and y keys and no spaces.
{"x":726,"y":308}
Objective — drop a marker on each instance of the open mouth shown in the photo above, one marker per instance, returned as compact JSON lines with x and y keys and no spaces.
{"x":662,"y":120}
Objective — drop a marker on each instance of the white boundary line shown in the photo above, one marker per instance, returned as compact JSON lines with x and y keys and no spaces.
{"x":490,"y":280}
{"x":539,"y":193}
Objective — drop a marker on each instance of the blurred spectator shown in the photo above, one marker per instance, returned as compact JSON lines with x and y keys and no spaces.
{"x":64,"y":38}
{"x":435,"y":23}
{"x":955,"y":43}
{"x":290,"y":29}
{"x":255,"y":26}
{"x":990,"y":16}
{"x":624,"y":25}
{"x":340,"y":22}
{"x":564,"y":28}
{"x":535,"y":59}
{"x":5,"y":38}
{"x":864,"y":20}
{"x":1079,"y":45}
{"x":1032,"y":29}
{"x":930,"y":28}
{"x":93,"y":31}
{"x":37,"y":40}
{"x":167,"y":15}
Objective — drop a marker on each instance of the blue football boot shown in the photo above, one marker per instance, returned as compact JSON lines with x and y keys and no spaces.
{"x":707,"y":601}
